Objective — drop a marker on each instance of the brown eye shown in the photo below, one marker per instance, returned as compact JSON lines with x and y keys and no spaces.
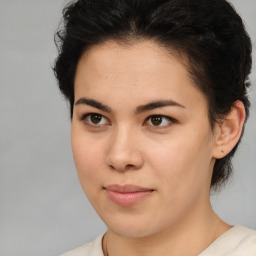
{"x":156,"y":120}
{"x":95,"y":118}
{"x":160,"y":121}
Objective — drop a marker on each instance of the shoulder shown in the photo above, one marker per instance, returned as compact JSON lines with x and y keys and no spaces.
{"x":238,"y":241}
{"x":92,"y":248}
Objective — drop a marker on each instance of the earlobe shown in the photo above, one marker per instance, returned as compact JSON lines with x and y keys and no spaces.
{"x":228,"y":132}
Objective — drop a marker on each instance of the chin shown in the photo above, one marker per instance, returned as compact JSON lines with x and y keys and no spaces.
{"x":132,"y":228}
{"x":130,"y":232}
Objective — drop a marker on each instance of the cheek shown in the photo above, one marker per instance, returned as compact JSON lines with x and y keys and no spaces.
{"x":88,"y":161}
{"x":88,"y":158}
{"x":183,"y":164}
{"x":183,"y":175}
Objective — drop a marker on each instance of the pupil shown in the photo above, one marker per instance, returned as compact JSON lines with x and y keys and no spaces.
{"x":95,"y":118}
{"x":156,"y":120}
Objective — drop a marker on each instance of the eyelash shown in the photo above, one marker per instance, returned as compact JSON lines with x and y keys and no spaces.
{"x":85,"y":117}
{"x":170,"y":120}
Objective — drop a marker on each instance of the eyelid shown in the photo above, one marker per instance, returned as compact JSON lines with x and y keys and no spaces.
{"x":85,"y":116}
{"x":170,"y":119}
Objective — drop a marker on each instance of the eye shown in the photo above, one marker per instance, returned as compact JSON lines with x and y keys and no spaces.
{"x":160,"y":121}
{"x":95,"y":119}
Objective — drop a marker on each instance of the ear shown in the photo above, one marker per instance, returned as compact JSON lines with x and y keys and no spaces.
{"x":228,"y":132}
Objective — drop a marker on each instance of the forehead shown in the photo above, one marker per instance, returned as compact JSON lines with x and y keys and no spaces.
{"x":115,"y":57}
{"x":142,"y":70}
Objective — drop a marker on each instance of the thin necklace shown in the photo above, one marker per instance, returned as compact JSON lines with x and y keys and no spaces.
{"x":106,"y":245}
{"x":107,"y":248}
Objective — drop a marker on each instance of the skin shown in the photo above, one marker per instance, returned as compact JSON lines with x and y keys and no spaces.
{"x":174,"y":158}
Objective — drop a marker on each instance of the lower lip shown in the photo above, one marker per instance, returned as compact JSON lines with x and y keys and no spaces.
{"x":127,"y":199}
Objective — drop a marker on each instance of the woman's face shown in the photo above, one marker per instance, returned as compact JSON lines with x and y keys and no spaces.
{"x":141,"y":138}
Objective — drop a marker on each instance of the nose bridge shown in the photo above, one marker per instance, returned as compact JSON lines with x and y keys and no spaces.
{"x":123,"y":150}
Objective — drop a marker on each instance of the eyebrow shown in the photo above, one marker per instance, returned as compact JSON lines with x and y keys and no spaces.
{"x":95,"y":104}
{"x":157,"y":104}
{"x":140,"y":109}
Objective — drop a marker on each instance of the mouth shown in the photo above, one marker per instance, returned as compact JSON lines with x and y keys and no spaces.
{"x":127,"y":195}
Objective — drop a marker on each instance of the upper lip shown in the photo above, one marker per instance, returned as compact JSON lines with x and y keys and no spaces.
{"x":127,"y":188}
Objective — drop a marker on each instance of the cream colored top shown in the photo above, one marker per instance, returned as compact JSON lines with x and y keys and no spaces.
{"x":238,"y":241}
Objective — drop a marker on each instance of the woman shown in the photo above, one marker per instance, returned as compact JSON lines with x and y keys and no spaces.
{"x":158,"y":100}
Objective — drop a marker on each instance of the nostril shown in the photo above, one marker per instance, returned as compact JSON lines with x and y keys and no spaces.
{"x":123,"y":167}
{"x":112,"y":167}
{"x":122,"y":160}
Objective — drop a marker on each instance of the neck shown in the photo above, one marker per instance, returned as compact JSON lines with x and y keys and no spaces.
{"x":196,"y":232}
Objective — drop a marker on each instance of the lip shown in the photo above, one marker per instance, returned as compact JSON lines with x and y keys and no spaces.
{"x":127,"y":195}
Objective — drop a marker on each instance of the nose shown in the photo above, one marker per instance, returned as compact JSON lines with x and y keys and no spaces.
{"x":124,"y":153}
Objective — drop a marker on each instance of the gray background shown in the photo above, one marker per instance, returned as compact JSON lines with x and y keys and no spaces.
{"x":43,"y":209}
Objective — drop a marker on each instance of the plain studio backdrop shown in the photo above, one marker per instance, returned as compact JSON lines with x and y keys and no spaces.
{"x":43,"y":209}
